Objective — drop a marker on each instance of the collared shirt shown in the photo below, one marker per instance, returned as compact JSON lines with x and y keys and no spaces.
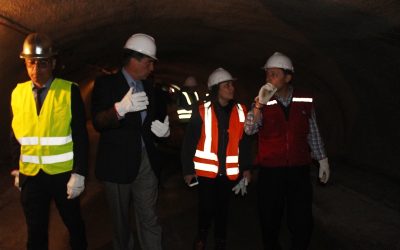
{"x":314,"y":138}
{"x":45,"y":89}
{"x":137,"y":86}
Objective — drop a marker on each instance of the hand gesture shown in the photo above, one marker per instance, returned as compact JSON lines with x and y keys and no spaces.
{"x":161,"y":129}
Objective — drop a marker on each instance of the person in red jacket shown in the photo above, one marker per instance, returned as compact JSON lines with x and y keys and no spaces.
{"x":210,"y":153}
{"x":288,"y":139}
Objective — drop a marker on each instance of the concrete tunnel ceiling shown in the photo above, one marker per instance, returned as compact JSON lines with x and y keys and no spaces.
{"x":345,"y":52}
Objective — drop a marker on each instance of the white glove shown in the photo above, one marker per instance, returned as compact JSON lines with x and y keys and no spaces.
{"x":266,"y":92}
{"x":323,"y":170}
{"x":139,"y":101}
{"x":15,"y":173}
{"x":125,"y":105}
{"x":75,"y":186}
{"x":161,"y":129}
{"x":132,"y":102}
{"x":241,"y":186}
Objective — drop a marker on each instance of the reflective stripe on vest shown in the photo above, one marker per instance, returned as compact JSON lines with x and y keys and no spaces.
{"x":46,"y":141}
{"x":57,"y":158}
{"x":302,"y":99}
{"x":206,"y":155}
{"x":47,"y":159}
{"x":206,"y":167}
{"x":185,"y":94}
{"x":61,"y":140}
{"x":295,"y":99}
{"x":232,"y":171}
{"x":205,"y":160}
{"x":184,"y":113}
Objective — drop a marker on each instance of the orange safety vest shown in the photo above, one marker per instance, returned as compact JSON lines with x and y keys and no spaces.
{"x":205,"y":160}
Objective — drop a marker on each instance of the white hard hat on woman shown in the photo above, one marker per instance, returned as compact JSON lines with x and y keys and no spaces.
{"x":218,"y":76}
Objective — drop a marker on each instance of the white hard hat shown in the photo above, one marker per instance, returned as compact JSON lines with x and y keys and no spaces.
{"x":190,"y":82}
{"x":279,"y":60}
{"x":219,"y":75}
{"x":142,"y":43}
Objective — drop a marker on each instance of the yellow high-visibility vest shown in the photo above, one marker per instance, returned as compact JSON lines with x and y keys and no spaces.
{"x":46,"y":141}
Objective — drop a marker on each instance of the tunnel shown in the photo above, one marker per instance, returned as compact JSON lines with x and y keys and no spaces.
{"x":346,"y":53}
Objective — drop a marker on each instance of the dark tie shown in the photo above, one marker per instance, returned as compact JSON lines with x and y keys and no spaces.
{"x":38,"y":100}
{"x":138,"y":87}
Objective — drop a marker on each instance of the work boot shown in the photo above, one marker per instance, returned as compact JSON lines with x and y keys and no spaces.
{"x":220,"y":244}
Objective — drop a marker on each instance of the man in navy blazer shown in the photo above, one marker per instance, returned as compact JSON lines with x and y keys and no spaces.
{"x":128,"y":118}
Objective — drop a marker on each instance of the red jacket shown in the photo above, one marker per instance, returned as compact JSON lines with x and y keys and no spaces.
{"x":205,"y":159}
{"x":283,"y":142}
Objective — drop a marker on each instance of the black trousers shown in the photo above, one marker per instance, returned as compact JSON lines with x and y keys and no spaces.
{"x":290,"y":188}
{"x":214,"y":196}
{"x":36,"y":194}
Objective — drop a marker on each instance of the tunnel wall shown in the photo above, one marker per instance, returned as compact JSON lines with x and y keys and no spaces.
{"x":11,"y":72}
{"x":346,"y":54}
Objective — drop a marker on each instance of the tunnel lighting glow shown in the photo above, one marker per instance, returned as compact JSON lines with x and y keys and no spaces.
{"x":38,"y":50}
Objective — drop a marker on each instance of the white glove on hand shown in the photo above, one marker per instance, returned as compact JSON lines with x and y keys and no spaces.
{"x":125,"y":105}
{"x":323,"y":170}
{"x":132,"y":102}
{"x":241,"y":186}
{"x":266,"y":92}
{"x":161,"y":129}
{"x":139,"y":101}
{"x":15,"y":173}
{"x":75,"y":186}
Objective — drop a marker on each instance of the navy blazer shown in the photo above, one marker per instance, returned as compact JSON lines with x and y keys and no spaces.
{"x":120,"y":147}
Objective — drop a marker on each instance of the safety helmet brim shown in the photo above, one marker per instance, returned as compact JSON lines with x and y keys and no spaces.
{"x":38,"y":46}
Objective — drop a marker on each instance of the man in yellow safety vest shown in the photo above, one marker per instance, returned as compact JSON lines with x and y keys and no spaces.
{"x":50,"y":145}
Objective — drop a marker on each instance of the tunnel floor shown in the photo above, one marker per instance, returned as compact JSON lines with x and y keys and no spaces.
{"x":344,"y":217}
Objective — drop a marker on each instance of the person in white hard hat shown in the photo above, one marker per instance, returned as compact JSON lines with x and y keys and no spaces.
{"x":125,"y":113}
{"x":210,"y":156}
{"x":187,"y":99}
{"x":288,"y":139}
{"x":49,"y":145}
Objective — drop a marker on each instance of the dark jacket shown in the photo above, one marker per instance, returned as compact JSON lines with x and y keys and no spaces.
{"x":120,"y":146}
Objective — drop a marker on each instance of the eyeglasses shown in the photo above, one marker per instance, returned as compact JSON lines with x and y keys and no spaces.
{"x":41,"y":63}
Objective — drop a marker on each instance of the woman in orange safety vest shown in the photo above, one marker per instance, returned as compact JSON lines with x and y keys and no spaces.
{"x":210,"y":155}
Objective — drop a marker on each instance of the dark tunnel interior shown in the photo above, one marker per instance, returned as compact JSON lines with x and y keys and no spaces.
{"x":346,"y":53}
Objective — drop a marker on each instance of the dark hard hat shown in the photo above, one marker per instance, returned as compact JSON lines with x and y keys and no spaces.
{"x":37,"y":45}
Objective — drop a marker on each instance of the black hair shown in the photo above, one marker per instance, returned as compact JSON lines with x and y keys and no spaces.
{"x":213,"y":97}
{"x":127,"y":54}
